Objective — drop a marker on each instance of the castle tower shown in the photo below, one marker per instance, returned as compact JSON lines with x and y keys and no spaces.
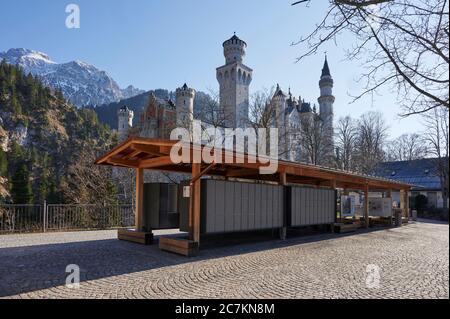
{"x":326,"y":98}
{"x":326,"y":101}
{"x":125,"y":122}
{"x":185,"y":106}
{"x":279,"y":105}
{"x":234,"y":78}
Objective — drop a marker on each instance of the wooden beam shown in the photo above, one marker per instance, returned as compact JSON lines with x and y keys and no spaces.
{"x":139,"y":213}
{"x":122,"y":162}
{"x":149,"y":149}
{"x":402,"y":201}
{"x":366,"y":206}
{"x":283,"y":178}
{"x":159,"y":148}
{"x":132,"y":154}
{"x":407,"y":203}
{"x":283,"y":182}
{"x":205,"y":171}
{"x":114,"y":151}
{"x":333,"y":184}
{"x":155,"y":162}
{"x":195,"y":198}
{"x":240,"y":172}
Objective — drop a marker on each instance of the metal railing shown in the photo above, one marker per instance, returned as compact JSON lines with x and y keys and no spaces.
{"x":63,"y":217}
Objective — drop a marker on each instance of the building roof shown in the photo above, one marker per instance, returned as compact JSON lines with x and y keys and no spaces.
{"x":423,"y":173}
{"x":234,"y":39}
{"x":154,"y":154}
{"x":326,"y":68}
{"x":305,"y":107}
{"x":279,"y":91}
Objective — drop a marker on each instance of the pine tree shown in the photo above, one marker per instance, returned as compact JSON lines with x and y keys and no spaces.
{"x":21,"y":190}
{"x":3,"y":163}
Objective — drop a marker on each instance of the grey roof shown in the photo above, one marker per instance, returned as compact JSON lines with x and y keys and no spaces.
{"x":234,"y":39}
{"x":326,"y":69}
{"x":279,"y":91}
{"x":423,"y":172}
{"x":289,"y":109}
{"x":305,"y":107}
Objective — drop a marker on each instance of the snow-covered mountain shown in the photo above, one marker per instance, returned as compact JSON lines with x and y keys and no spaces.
{"x":81,"y":83}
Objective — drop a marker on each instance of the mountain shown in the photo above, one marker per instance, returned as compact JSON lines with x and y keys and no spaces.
{"x":42,"y":138}
{"x":81,"y":83}
{"x":107,"y":113}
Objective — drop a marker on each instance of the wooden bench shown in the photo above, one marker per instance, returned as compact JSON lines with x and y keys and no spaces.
{"x":179,"y":246}
{"x":134,"y":236}
{"x":346,"y":228}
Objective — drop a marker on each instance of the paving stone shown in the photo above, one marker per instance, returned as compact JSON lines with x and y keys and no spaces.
{"x":413,"y":261}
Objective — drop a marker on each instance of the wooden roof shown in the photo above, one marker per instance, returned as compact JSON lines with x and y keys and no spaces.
{"x":154,"y":154}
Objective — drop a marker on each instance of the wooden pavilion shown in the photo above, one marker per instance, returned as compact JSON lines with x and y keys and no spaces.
{"x":154,"y":154}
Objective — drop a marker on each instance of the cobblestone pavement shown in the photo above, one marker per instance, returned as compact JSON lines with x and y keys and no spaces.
{"x":413,"y":262}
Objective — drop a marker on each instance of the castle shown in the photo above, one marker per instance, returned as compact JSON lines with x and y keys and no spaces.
{"x":159,"y":117}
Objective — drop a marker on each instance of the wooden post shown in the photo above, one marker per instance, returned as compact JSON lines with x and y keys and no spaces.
{"x":195,"y":200}
{"x":403,"y":202}
{"x":366,"y":205}
{"x":334,"y":187}
{"x":406,"y":204}
{"x":139,"y":214}
{"x":283,"y":182}
{"x":389,"y":195}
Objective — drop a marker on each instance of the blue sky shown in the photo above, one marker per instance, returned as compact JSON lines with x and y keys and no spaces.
{"x":164,"y":43}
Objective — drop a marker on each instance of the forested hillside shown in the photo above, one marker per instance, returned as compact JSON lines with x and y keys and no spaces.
{"x":43,"y":140}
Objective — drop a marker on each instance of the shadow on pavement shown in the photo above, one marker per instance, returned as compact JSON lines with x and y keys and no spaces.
{"x":30,"y":268}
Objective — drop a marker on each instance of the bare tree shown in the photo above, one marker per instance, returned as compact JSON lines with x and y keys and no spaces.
{"x":370,"y":141}
{"x":437,"y":136}
{"x":262,"y":110}
{"x":265,"y":113}
{"x":346,"y":134}
{"x":314,"y":144}
{"x":210,"y":111}
{"x":403,"y":44}
{"x":125,"y":179}
{"x":88,"y":183}
{"x":406,"y":147}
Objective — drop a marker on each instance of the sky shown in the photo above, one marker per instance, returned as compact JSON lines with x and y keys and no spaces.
{"x":163,"y":43}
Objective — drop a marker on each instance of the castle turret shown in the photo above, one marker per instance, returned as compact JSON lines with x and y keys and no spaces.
{"x":279,"y":101}
{"x":185,"y":106}
{"x":326,"y":101}
{"x":125,"y":122}
{"x":234,"y":78}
